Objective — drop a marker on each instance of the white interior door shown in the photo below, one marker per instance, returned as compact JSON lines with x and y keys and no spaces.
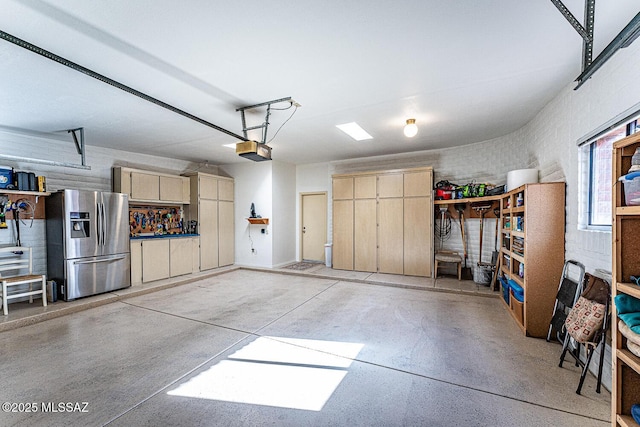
{"x":314,"y":226}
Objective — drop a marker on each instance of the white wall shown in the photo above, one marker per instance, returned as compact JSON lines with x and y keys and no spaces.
{"x":253,"y":184}
{"x":284,"y":214}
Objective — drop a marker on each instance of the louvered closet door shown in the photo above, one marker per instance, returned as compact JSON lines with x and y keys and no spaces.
{"x":390,"y":236}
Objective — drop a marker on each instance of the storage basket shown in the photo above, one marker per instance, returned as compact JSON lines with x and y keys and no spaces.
{"x":517,"y":308}
{"x":482,"y":275}
{"x":631,"y":183}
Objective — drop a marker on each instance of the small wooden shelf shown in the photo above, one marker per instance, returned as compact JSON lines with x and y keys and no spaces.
{"x":626,"y":421}
{"x":629,"y":359}
{"x":629,"y":289}
{"x":468,"y":200}
{"x":263,"y":221}
{"x":25,"y":193}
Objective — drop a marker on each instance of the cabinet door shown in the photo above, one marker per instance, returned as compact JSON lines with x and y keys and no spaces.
{"x":171,"y":188}
{"x":195,"y":249}
{"x":343,"y":234}
{"x":364,"y":187}
{"x":136,"y":262}
{"x":225,"y":189}
{"x":365,"y":241}
{"x":208,"y":228}
{"x":342,"y":188}
{"x":181,"y":253}
{"x":390,"y":236}
{"x":186,"y":190}
{"x":155,"y":259}
{"x":122,"y":180}
{"x":417,"y":184}
{"x":417,"y":236}
{"x":208,"y":187}
{"x":226,"y":236}
{"x":390,"y":185}
{"x":145,"y":186}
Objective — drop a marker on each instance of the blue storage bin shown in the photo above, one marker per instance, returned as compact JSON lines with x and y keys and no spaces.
{"x":518,"y":292}
{"x":505,"y":289}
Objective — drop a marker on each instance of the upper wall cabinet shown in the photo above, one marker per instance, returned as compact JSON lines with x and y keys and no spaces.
{"x":151,"y":187}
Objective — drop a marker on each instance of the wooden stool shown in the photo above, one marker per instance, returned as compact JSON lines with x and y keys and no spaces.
{"x":449,"y":256}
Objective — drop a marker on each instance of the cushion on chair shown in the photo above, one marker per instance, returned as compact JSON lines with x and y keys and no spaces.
{"x":447,"y":257}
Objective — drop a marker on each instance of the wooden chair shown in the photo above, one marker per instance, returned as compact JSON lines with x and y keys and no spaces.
{"x":448,"y":256}
{"x":16,"y":259}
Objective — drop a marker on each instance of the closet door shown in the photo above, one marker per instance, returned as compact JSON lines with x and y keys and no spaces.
{"x":390,"y":236}
{"x":417,"y":236}
{"x":226,"y":232}
{"x":343,"y":234}
{"x":365,"y":235}
{"x":208,"y":227}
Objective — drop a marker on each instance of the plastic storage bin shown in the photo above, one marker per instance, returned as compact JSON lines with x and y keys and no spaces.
{"x":6,"y":177}
{"x":631,"y":183}
{"x":516,"y":290}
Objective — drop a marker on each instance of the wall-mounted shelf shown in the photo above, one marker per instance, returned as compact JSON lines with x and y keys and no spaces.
{"x":24,"y":193}
{"x":264,"y":221}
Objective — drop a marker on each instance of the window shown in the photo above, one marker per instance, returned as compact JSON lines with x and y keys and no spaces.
{"x":599,"y":160}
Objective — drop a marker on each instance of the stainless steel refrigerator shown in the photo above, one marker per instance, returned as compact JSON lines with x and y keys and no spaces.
{"x":87,"y":242}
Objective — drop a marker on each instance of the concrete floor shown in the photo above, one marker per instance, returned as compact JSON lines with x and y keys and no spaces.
{"x":250,"y":347}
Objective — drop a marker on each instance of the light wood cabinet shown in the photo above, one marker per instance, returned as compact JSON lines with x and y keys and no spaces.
{"x":226,"y":235}
{"x":364,"y":187}
{"x":181,"y":256}
{"x":417,"y":238}
{"x":382,"y":222}
{"x":390,"y":236}
{"x":208,"y":230}
{"x":171,"y":188}
{"x":212,"y":205}
{"x":342,"y":188}
{"x":155,"y":259}
{"x":136,"y":262}
{"x":532,"y":251}
{"x":160,"y":258}
{"x":342,"y":234}
{"x":145,"y":186}
{"x":151,"y":187}
{"x":625,"y":390}
{"x":390,"y":185}
{"x":365,"y":229}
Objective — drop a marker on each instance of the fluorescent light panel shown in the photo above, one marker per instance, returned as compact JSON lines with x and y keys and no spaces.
{"x":354,"y":131}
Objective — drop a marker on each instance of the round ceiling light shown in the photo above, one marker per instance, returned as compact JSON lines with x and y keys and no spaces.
{"x":410,"y":129}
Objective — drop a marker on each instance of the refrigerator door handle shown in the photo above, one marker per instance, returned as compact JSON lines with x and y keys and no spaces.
{"x":104,"y":225}
{"x":98,"y":224}
{"x":95,"y":261}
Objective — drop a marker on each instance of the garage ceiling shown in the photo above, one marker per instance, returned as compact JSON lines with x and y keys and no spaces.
{"x":468,"y":71}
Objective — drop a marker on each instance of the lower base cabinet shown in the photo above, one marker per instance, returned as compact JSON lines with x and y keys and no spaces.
{"x":157,"y":259}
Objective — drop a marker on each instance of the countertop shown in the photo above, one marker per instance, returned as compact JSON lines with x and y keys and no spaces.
{"x":163,"y":236}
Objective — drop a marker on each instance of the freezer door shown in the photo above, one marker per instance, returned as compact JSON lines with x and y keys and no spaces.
{"x":81,"y":223}
{"x":91,"y":276}
{"x":114,"y":210}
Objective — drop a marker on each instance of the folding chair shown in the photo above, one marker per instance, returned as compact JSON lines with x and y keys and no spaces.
{"x":598,"y":291}
{"x":569,"y":291}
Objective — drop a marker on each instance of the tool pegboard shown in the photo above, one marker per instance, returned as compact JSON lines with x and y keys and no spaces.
{"x":153,"y":219}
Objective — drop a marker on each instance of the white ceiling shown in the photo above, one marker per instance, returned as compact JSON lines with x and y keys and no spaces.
{"x":467,"y":70}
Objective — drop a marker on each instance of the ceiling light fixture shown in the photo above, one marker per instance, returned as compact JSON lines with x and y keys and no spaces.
{"x":410,"y":129}
{"x":354,"y":131}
